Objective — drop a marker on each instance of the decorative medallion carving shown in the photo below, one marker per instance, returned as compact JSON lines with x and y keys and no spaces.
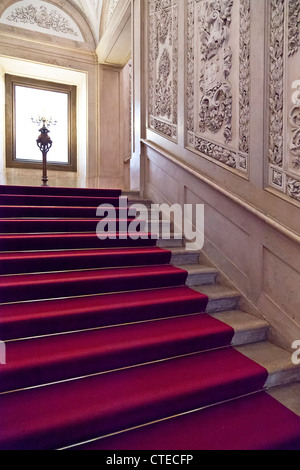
{"x":163,"y":67}
{"x":41,"y":16}
{"x":210,"y":98}
{"x":293,"y":188}
{"x":277,"y":178}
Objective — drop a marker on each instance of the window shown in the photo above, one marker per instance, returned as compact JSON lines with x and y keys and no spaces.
{"x":26,"y":99}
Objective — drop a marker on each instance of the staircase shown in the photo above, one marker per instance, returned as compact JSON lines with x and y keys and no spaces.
{"x":127,"y":343}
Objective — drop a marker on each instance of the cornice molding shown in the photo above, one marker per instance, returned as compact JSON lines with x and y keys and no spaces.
{"x":114,"y":47}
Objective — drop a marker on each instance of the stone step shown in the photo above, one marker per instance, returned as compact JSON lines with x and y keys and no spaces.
{"x":135,"y":200}
{"x":288,"y":395}
{"x":199,"y":275}
{"x":277,"y":361}
{"x":248,"y":328}
{"x":181,"y":255}
{"x":171,"y":242}
{"x":221,"y":298}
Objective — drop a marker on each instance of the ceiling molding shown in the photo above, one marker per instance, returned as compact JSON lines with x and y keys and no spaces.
{"x":114,"y":47}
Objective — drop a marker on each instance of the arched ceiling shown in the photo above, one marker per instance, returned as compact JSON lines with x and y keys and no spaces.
{"x":109,"y":32}
{"x":92,"y":10}
{"x":113,"y":38}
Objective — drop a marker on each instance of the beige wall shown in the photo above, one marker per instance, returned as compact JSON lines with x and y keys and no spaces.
{"x":103,"y":98}
{"x":45,"y":56}
{"x":115,"y":132}
{"x":225,"y":158}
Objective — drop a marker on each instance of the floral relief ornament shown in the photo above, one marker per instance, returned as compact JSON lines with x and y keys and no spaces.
{"x":52,"y":20}
{"x":293,"y":189}
{"x":163,"y":66}
{"x":295,"y":125}
{"x":216,"y":101}
{"x":293,"y":26}
{"x":276,"y":78}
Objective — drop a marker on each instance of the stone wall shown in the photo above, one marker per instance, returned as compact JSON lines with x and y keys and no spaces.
{"x":219,"y":85}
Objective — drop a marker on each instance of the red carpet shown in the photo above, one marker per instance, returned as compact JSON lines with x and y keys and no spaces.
{"x":102,"y":336}
{"x":70,"y":283}
{"x":11,"y":263}
{"x":256,"y":422}
{"x":33,"y":362}
{"x":70,"y":412}
{"x":56,"y":316}
{"x":66,"y":241}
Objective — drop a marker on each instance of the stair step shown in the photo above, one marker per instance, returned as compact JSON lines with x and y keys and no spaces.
{"x":288,"y":395}
{"x":75,"y":411}
{"x":73,"y":241}
{"x":175,"y":240}
{"x":247,"y":328}
{"x":58,"y":191}
{"x":14,"y":226}
{"x":52,"y":200}
{"x":106,"y":335}
{"x":277,"y":361}
{"x":30,"y":319}
{"x":39,"y":361}
{"x":221,"y":298}
{"x":182,"y":256}
{"x":199,"y":274}
{"x":55,"y":212}
{"x":15,"y":288}
{"x":28,"y":262}
{"x":144,"y":202}
{"x":225,"y":426}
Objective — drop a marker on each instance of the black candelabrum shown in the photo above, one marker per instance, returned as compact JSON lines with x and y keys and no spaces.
{"x":44,"y":142}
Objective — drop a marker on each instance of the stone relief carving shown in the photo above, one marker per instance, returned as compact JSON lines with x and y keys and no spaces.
{"x":276,"y":79}
{"x":295,"y":144}
{"x":277,"y":178}
{"x":293,"y":26}
{"x":208,"y":75}
{"x":163,"y":88}
{"x":38,"y":15}
{"x":244,"y":77}
{"x":284,"y":130}
{"x":190,"y":65}
{"x":163,"y":67}
{"x":293,"y":188}
{"x":217,"y":152}
{"x":216,"y":58}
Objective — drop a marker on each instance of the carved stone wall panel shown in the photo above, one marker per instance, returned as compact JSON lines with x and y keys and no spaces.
{"x":284,"y":97}
{"x":163,"y":67}
{"x":294,"y":122}
{"x":218,"y":81}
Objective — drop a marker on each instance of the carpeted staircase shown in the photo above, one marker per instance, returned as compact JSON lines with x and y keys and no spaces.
{"x":111,"y":345}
